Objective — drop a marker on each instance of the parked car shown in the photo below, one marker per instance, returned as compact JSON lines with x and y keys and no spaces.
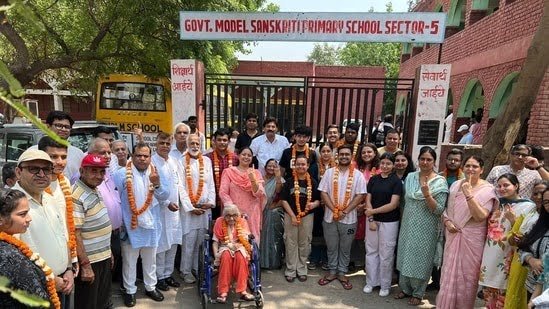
{"x":82,"y":133}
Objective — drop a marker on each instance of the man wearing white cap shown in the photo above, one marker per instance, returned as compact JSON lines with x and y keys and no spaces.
{"x":466,"y":136}
{"x":47,"y":235}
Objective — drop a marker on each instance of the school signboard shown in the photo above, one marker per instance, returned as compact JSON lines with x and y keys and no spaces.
{"x":420,"y":27}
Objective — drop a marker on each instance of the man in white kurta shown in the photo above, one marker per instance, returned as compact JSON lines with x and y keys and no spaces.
{"x":169,"y":213}
{"x":339,"y":230}
{"x":195,"y":212}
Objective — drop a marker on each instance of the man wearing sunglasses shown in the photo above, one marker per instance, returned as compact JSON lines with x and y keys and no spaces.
{"x":47,"y":234}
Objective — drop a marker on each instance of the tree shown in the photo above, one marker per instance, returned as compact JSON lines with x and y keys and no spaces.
{"x":501,"y":135}
{"x":81,"y":39}
{"x":324,"y":54}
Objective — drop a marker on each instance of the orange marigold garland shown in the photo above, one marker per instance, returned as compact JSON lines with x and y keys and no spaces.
{"x":300,"y":214}
{"x":335,"y":183}
{"x":355,"y":148}
{"x":63,"y":183}
{"x":242,"y":239}
{"x":294,"y":154}
{"x":36,"y":259}
{"x":188,"y":176}
{"x":217,"y":168}
{"x":323,"y":167}
{"x":131,"y":197}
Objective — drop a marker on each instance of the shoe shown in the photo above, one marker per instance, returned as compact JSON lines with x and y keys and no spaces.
{"x":311,"y":266}
{"x":367,"y":289}
{"x":129,"y":300}
{"x":162,"y":285}
{"x":189,"y":279}
{"x":172,"y":282}
{"x":433,"y":287}
{"x":325,"y":267}
{"x":384,"y":292}
{"x":155,"y":295}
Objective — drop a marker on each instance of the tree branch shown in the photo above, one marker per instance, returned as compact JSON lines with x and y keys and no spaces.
{"x":57,"y":38}
{"x":21,"y":50}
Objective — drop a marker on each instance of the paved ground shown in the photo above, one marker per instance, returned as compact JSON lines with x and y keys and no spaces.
{"x":280,"y":294}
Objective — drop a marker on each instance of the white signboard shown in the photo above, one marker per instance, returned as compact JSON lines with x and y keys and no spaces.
{"x":183,"y":81}
{"x":432,"y":98}
{"x":421,"y":27}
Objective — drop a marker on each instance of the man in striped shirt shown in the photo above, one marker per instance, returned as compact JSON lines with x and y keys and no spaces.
{"x":93,"y":236}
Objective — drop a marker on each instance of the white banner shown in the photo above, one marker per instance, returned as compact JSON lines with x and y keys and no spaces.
{"x":420,"y":27}
{"x":432,"y":98}
{"x":183,"y":80}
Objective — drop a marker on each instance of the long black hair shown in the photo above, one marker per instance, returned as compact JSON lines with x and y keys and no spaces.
{"x":539,"y":229}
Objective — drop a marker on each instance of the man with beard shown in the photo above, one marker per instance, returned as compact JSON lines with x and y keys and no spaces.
{"x":269,"y":145}
{"x":351,"y":138}
{"x":180,"y":147}
{"x":169,"y":213}
{"x":245,"y":138}
{"x":221,"y":159}
{"x":340,"y":216}
{"x":142,"y":190}
{"x":302,"y":135}
{"x":197,"y":199}
{"x":332,"y":137}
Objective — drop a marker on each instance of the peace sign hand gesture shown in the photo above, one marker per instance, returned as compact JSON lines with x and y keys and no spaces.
{"x":153,"y":177}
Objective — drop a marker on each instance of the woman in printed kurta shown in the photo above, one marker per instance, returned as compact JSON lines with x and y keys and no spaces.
{"x":498,"y":253}
{"x":242,"y":186}
{"x":425,"y":199}
{"x":470,"y":202}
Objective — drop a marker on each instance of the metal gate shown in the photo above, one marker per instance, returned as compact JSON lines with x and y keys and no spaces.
{"x":314,"y":101}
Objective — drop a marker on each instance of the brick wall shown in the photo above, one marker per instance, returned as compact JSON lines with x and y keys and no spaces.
{"x":489,"y":49}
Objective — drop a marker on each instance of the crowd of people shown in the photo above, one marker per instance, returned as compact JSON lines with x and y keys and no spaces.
{"x":72,"y":222}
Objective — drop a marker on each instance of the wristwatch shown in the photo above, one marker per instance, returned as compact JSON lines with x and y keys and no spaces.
{"x":539,"y":167}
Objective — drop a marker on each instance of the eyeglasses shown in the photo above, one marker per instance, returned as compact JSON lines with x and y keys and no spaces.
{"x":35,"y":170}
{"x":520,"y":154}
{"x":232,"y":216}
{"x":59,"y":126}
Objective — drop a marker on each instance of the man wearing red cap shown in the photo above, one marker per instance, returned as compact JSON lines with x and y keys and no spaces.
{"x":93,"y":236}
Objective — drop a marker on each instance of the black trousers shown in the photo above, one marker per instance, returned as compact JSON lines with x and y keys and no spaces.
{"x":95,"y":295}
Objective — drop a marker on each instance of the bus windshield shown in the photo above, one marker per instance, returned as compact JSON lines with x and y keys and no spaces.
{"x":132,"y":96}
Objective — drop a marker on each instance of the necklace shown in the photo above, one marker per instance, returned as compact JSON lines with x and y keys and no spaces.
{"x":300,"y":214}
{"x":36,"y":259}
{"x":240,"y":234}
{"x":131,"y":198}
{"x":217,"y":169}
{"x":335,"y":183}
{"x":194,"y":197}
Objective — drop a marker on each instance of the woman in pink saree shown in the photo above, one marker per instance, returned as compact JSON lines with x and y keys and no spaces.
{"x":470,"y":202}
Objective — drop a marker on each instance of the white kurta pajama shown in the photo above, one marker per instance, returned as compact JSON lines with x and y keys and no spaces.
{"x":195,"y":226}
{"x":143,"y":240}
{"x":171,"y":220}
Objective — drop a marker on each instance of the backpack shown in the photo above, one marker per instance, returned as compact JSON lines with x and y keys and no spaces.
{"x":379,"y":137}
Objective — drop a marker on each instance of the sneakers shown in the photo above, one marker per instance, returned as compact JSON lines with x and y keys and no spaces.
{"x":189,"y":279}
{"x":367,"y":289}
{"x":384,"y":292}
{"x":311,"y":266}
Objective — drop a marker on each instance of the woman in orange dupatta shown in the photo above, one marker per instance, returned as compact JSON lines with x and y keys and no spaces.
{"x":470,"y":202}
{"x":242,"y":186}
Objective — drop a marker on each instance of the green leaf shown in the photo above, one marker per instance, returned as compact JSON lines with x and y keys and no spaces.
{"x":15,"y":87}
{"x":29,"y":299}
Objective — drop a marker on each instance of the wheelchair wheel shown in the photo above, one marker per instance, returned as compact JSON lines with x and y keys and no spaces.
{"x":258,"y":299}
{"x":201,"y":271}
{"x":204,"y":300}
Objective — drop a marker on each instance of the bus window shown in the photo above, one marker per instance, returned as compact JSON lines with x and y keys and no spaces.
{"x":132,"y":96}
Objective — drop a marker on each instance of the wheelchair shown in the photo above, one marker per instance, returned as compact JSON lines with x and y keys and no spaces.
{"x":207,"y":271}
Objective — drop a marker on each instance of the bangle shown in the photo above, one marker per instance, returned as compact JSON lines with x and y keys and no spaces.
{"x":468,"y":198}
{"x":86,"y":262}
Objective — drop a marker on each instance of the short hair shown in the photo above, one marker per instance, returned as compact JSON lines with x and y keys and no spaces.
{"x":345,"y":146}
{"x":392,"y":131}
{"x":269,"y":120}
{"x":427,"y":149}
{"x":192,"y":118}
{"x":537,"y":152}
{"x":301,"y":156}
{"x":181,"y":124}
{"x":47,"y":141}
{"x":521,"y":146}
{"x":222,"y":131}
{"x":92,"y":146}
{"x":355,"y":126}
{"x":191,"y":136}
{"x":304,"y":130}
{"x":332,"y":126}
{"x":58,"y":115}
{"x":120,"y":141}
{"x":456,"y":151}
{"x":9,"y":199}
{"x":251,"y":116}
{"x":8,"y":171}
{"x":101,"y":129}
{"x":230,"y":209}
{"x":388,"y":118}
{"x":163,"y":135}
{"x":388,"y":156}
{"x":140,"y":145}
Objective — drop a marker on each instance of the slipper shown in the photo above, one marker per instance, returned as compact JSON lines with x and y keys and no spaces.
{"x":346,"y":284}
{"x":221,"y":299}
{"x":290,"y":279}
{"x":302,"y":278}
{"x":247,"y":297}
{"x":414,"y":301}
{"x":401,"y":295}
{"x":325,"y":280}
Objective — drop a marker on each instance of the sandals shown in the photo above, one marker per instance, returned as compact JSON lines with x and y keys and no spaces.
{"x":221,"y":299}
{"x":346,"y":284}
{"x":289,"y":279}
{"x":302,"y":278}
{"x":247,"y":297}
{"x":325,"y":280}
{"x":414,"y":301}
{"x":401,"y":295}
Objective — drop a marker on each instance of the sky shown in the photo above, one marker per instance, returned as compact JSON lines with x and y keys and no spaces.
{"x":298,"y":51}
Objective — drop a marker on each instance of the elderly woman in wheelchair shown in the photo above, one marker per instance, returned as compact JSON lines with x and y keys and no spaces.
{"x":232,"y":251}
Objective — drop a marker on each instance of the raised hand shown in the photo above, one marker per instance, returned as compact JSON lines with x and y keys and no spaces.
{"x":425,"y":187}
{"x":153,"y":177}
